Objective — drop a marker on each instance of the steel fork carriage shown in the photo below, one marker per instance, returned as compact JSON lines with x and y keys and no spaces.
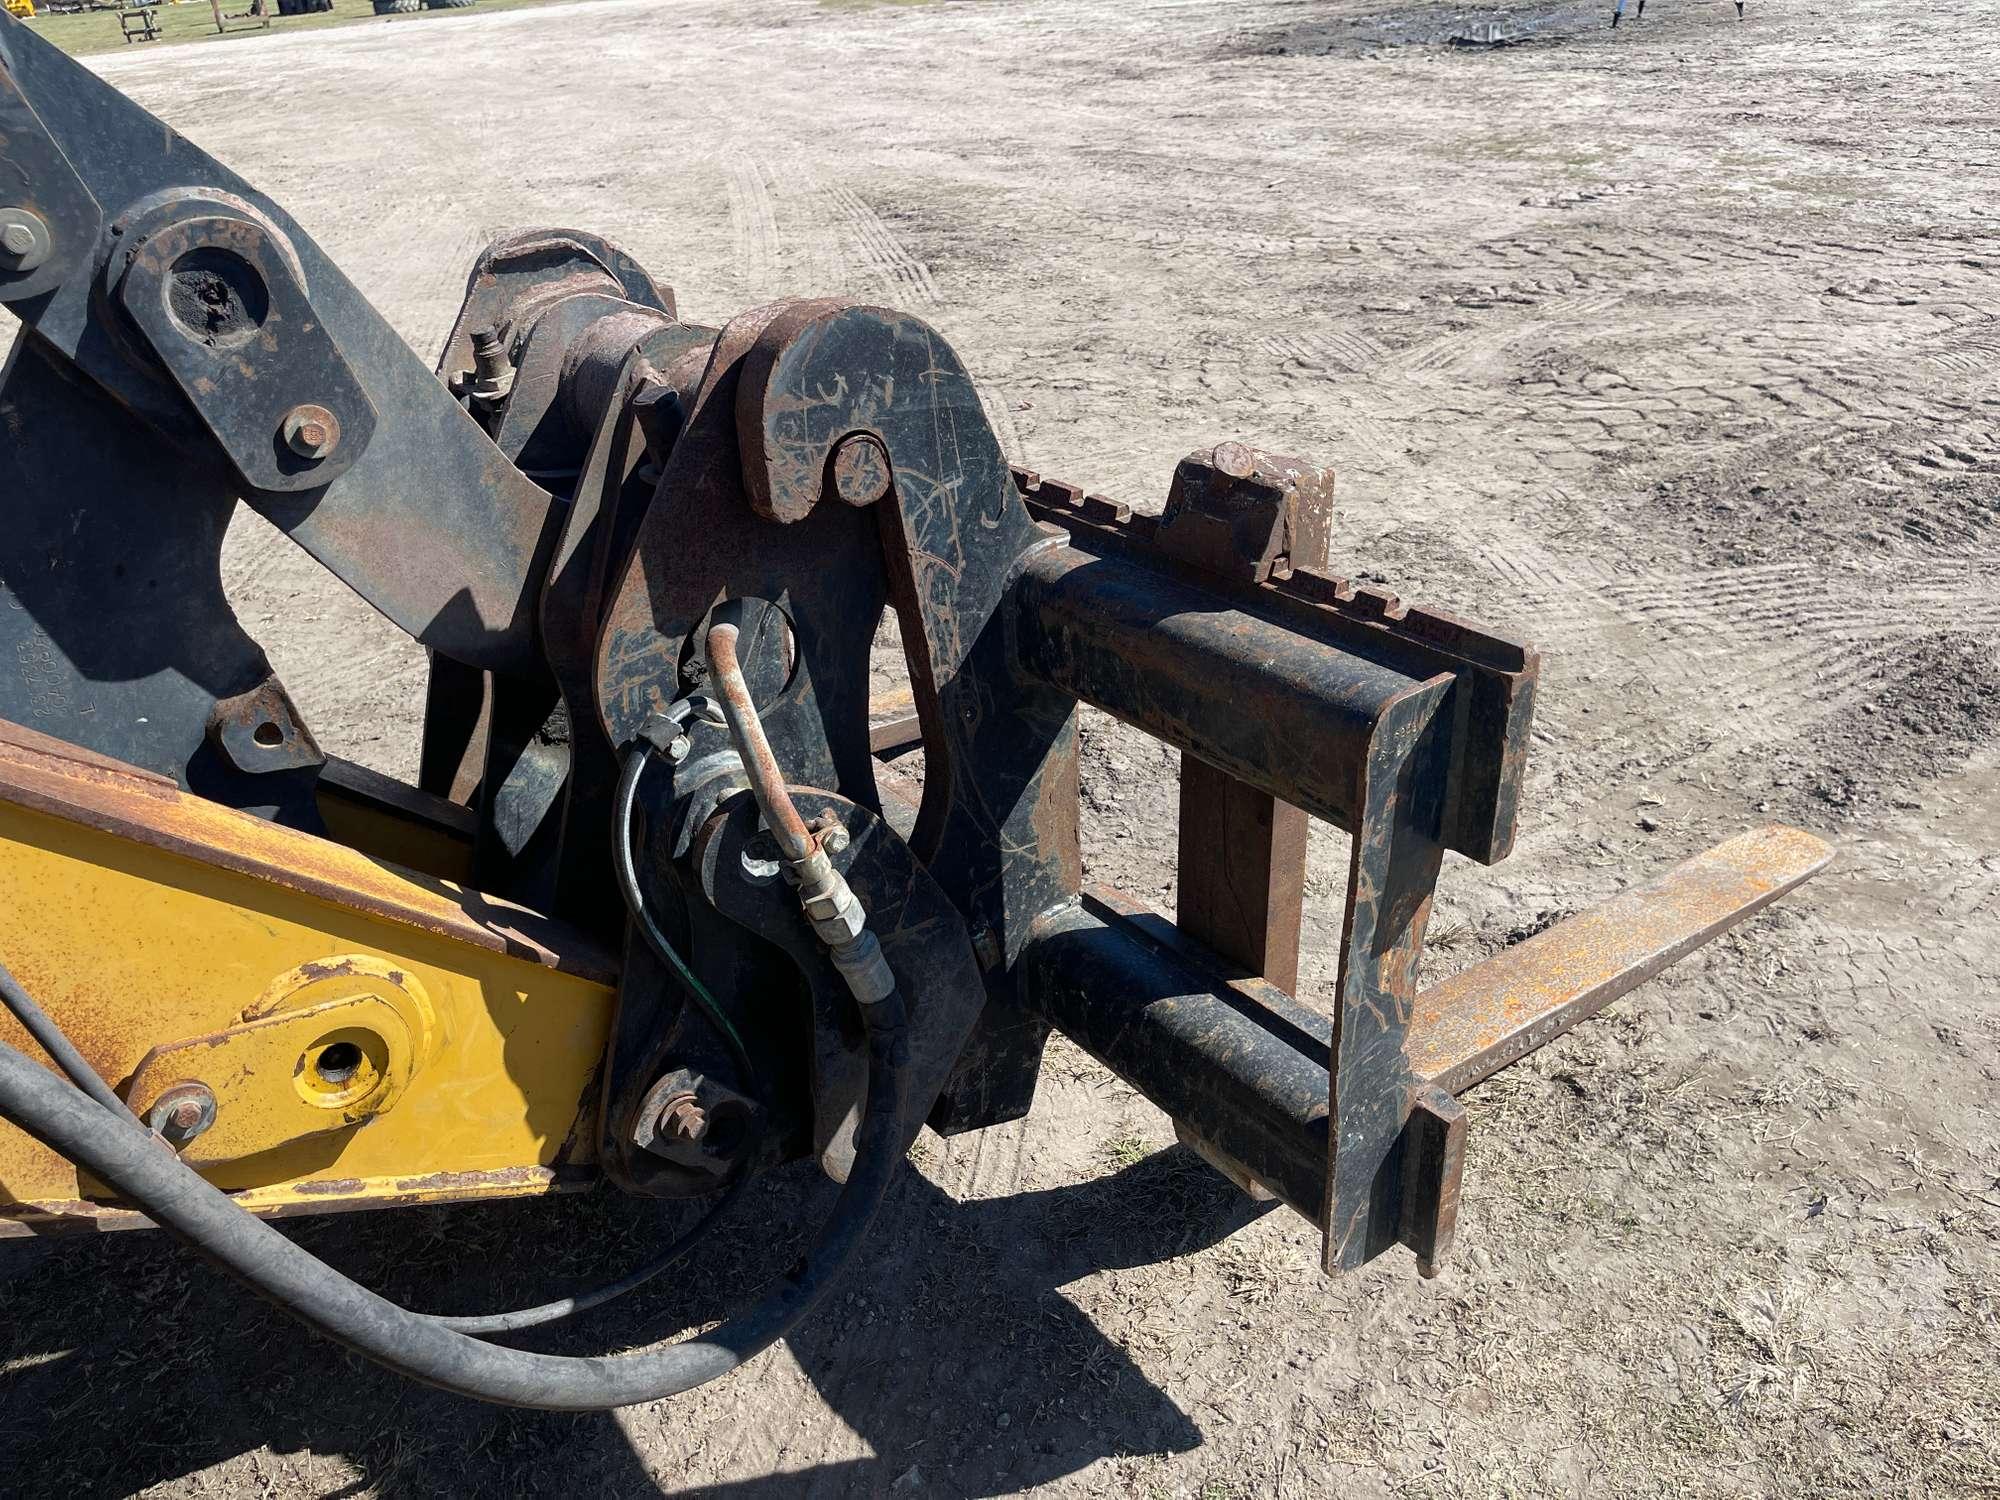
{"x":648,"y":559}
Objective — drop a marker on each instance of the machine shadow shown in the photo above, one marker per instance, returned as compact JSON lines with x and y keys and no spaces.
{"x":951,"y":1351}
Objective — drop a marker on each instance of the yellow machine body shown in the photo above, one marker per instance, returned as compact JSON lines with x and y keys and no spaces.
{"x":370,"y":1035}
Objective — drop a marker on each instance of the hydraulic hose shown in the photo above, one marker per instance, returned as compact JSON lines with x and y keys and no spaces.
{"x":767,"y":781}
{"x":61,"y":1050}
{"x":121,"y":1152}
{"x":486,"y":1324}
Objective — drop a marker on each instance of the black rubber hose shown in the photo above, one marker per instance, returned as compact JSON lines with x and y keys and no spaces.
{"x":484,"y":1324}
{"x":52,"y":1040}
{"x":124,"y":1154}
{"x":61,"y":1050}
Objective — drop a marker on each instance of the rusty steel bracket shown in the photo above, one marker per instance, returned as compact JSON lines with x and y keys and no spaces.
{"x":1242,"y":515}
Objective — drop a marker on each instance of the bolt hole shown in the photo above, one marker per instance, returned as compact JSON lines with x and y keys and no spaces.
{"x":269,"y":735}
{"x":338,"y":1062}
{"x":728,"y":1127}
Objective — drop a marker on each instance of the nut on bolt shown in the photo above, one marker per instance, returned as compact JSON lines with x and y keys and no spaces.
{"x":24,"y":239}
{"x":683,"y":1119}
{"x":492,"y":370}
{"x":833,"y":835}
{"x":182,"y":1112}
{"x":311,"y":431}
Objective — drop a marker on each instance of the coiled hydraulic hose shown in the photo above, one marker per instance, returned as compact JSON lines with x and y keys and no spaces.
{"x":96,"y":1131}
{"x":118,"y":1150}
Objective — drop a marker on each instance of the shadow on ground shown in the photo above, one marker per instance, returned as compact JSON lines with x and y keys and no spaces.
{"x":130,"y":1363}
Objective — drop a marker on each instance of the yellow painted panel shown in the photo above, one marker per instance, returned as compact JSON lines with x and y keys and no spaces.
{"x":130,"y":945}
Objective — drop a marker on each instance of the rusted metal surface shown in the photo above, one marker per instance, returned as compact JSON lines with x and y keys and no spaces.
{"x":1243,"y":514}
{"x":1242,"y":872}
{"x":1496,"y":674}
{"x":311,"y":431}
{"x":1434,"y":1166}
{"x":887,"y":736}
{"x":1240,"y":514}
{"x":1393,"y":861}
{"x":860,"y":470}
{"x":261,"y":732}
{"x":794,"y":839}
{"x":1277,"y":709}
{"x":1470,"y":1026}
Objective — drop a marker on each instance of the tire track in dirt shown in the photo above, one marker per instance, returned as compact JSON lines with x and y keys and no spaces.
{"x":903,"y":280}
{"x":753,"y":218}
{"x":1685,"y":642}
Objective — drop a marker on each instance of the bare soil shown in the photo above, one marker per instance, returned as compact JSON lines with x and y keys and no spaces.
{"x":1673,"y":349}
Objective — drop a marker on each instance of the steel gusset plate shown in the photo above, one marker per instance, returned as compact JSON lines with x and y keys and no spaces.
{"x":431,"y":525}
{"x":997,"y":824}
{"x":36,"y":176}
{"x":922,"y":936}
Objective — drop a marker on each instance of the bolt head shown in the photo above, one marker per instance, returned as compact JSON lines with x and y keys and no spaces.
{"x":311,"y":432}
{"x":183,"y":1112}
{"x":24,"y":239}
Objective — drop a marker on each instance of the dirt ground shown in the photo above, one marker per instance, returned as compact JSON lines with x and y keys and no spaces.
{"x":1672,"y":349}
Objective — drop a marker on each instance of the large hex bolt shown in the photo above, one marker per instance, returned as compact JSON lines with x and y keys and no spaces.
{"x":312,"y":432}
{"x":691,"y":1121}
{"x":182,"y":1112}
{"x":24,"y":239}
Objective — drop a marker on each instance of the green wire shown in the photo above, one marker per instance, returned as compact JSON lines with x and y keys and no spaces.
{"x":635,"y":903}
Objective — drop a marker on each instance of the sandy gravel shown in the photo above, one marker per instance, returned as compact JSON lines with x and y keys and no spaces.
{"x":1673,"y":349}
